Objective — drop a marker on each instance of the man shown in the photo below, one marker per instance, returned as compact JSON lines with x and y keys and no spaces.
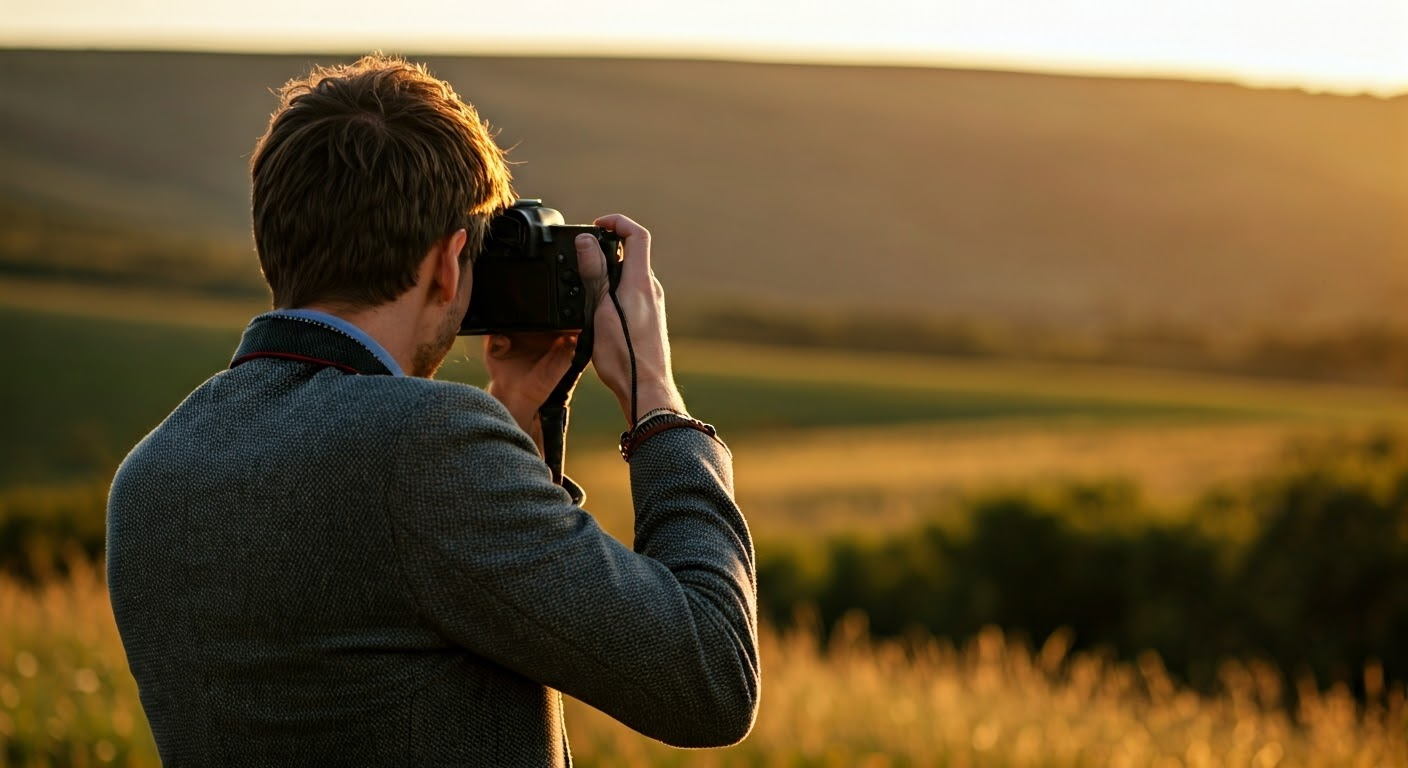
{"x":325,"y":557}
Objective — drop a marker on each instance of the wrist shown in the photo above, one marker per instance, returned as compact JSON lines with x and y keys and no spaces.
{"x":663,"y":395}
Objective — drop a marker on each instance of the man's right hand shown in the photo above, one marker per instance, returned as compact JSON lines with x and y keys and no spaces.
{"x":643,"y":303}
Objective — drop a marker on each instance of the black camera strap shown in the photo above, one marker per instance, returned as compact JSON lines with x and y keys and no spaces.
{"x":553,"y":415}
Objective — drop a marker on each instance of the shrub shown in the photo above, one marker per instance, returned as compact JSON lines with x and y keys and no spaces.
{"x":1318,"y":584}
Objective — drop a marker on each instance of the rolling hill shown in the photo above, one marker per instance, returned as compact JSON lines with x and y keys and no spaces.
{"x":1063,"y":202}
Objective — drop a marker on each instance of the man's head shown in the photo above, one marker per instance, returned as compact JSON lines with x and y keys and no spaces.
{"x":364,"y":168}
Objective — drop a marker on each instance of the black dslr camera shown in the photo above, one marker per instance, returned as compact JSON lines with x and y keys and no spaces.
{"x":526,"y":278}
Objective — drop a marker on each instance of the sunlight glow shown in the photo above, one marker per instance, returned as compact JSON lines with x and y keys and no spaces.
{"x":1337,"y":45}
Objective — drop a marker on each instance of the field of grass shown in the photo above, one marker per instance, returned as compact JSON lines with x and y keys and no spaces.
{"x":826,"y":443}
{"x":66,"y":699}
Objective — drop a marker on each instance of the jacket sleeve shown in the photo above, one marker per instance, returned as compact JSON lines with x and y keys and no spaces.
{"x":663,"y":638}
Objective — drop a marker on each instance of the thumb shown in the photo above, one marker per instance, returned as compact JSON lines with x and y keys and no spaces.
{"x":591,"y":262}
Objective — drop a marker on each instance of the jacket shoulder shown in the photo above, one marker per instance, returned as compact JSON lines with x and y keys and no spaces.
{"x":430,"y":402}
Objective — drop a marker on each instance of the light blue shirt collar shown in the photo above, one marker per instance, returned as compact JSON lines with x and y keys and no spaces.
{"x":346,"y":328}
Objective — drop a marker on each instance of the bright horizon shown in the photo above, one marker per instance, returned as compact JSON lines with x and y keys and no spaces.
{"x":1344,"y":46}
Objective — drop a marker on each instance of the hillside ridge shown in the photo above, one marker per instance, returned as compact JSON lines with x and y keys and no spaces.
{"x":1074,"y":202}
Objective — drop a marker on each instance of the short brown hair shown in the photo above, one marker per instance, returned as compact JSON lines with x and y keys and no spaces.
{"x":363,"y":168}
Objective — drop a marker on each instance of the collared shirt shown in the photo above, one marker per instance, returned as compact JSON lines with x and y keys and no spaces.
{"x":344,"y":327}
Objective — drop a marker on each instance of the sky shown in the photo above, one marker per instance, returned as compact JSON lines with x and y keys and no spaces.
{"x":1351,"y":46}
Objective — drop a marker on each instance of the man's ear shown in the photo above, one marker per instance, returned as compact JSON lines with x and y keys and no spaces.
{"x":445,"y":263}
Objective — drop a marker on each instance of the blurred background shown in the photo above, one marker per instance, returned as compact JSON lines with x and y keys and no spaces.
{"x":1063,"y":348}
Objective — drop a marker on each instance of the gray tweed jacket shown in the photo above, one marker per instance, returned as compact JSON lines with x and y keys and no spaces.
{"x":314,"y":564}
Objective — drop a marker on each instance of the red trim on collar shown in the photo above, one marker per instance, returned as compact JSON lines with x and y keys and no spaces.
{"x":297,"y":358}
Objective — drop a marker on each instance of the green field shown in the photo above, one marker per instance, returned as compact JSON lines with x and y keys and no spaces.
{"x":82,"y":388}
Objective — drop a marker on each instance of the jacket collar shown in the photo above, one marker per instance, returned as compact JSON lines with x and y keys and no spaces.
{"x":307,"y":341}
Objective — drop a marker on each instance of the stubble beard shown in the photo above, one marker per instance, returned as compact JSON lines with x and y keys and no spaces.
{"x":429,"y":355}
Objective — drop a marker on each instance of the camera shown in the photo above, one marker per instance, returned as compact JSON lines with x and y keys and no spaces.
{"x":526,"y":277}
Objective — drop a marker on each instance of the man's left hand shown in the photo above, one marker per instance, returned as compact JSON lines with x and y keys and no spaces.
{"x":524,"y":368}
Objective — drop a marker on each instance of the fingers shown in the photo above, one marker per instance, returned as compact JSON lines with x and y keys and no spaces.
{"x":635,"y":270}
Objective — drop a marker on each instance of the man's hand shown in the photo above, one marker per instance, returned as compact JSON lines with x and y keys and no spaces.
{"x":524,"y":368}
{"x":643,"y":303}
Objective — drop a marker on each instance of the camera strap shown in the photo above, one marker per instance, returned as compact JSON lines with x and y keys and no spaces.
{"x":553,"y":415}
{"x":554,"y":412}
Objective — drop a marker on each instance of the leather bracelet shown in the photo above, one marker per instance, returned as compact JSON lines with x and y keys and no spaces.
{"x":654,"y":425}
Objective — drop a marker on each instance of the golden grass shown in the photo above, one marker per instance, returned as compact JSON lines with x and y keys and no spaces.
{"x":66,"y":698}
{"x":995,"y":702}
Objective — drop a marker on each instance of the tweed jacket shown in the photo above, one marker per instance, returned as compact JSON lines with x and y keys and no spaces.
{"x":316,"y":563}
